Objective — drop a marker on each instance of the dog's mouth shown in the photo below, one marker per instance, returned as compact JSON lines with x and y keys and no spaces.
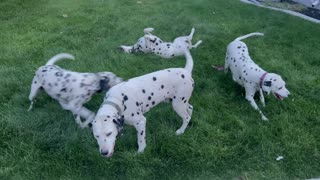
{"x":278,"y":96}
{"x":109,"y":155}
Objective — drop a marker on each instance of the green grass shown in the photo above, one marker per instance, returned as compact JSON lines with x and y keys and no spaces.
{"x":226,"y":138}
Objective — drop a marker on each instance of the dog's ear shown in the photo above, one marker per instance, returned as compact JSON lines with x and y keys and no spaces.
{"x":119,"y":123}
{"x":104,"y":84}
{"x":267,"y":83}
{"x":267,"y":86}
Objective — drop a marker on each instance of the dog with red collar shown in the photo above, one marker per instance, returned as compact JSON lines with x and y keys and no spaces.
{"x":252,"y":77}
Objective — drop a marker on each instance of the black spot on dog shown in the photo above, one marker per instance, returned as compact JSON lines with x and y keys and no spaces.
{"x":44,"y":70}
{"x":239,"y":47}
{"x":182,"y":98}
{"x":138,"y":113}
{"x":63,"y":90}
{"x":149,"y":98}
{"x":125,"y":98}
{"x":174,"y":97}
{"x":152,"y":94}
{"x":143,"y":91}
{"x":153,"y":102}
{"x":172,"y":55}
{"x":67,"y":75}
{"x":132,"y":114}
{"x":125,"y":107}
{"x":141,"y":133}
{"x":154,"y":78}
{"x":162,"y":86}
{"x":182,"y":76}
{"x":59,"y":74}
{"x":147,"y":105}
{"x":137,"y":103}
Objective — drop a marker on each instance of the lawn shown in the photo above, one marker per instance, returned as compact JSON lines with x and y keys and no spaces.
{"x":226,"y":139}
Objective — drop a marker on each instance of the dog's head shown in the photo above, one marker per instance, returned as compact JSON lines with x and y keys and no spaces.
{"x":105,"y":130}
{"x":152,"y":40}
{"x":273,"y":83}
{"x":107,"y":80}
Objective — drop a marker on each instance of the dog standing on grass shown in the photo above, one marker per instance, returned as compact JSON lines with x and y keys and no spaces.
{"x":152,"y":44}
{"x":249,"y":75}
{"x":71,"y":89}
{"x":128,"y":101}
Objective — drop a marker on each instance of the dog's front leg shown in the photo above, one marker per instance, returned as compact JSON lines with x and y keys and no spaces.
{"x":140,"y":125}
{"x":249,"y":96}
{"x":262,"y":98}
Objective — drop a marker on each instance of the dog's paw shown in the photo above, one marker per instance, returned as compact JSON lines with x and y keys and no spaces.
{"x":126,"y":49}
{"x":179,"y":132}
{"x":264,"y":118}
{"x":141,"y":150}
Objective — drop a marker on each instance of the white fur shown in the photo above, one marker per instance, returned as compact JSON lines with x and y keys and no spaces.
{"x":152,"y":44}
{"x":136,"y":97}
{"x":71,"y":89}
{"x":248,"y":74}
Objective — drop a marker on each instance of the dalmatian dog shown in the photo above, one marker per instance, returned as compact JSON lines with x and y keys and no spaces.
{"x":71,"y":89}
{"x":152,"y":44}
{"x":128,"y":101}
{"x":252,"y":77}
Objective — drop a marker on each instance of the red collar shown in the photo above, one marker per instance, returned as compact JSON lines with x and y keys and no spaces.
{"x":261,"y":78}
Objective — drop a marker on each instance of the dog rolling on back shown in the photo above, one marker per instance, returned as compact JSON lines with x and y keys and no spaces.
{"x":152,"y":44}
{"x":71,"y":89}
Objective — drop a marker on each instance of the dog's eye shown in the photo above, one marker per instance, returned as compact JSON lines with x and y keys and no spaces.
{"x":109,"y":134}
{"x":279,"y":88}
{"x":97,"y":136}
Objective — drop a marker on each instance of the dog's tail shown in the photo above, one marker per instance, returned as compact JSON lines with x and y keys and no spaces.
{"x":249,"y":35}
{"x":58,"y":57}
{"x":148,"y":30}
{"x":189,"y":63}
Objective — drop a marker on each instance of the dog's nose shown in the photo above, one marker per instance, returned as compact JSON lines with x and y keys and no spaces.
{"x":104,"y":153}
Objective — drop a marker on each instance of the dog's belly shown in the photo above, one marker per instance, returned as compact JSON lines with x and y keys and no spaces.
{"x":140,"y":94}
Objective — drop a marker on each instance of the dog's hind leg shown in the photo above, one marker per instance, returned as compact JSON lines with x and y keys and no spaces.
{"x":87,"y":114}
{"x":191,"y":34}
{"x":197,"y":44}
{"x":35,"y":87}
{"x":184,"y":111}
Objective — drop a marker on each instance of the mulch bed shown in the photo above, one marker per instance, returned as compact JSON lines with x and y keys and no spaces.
{"x":312,"y":12}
